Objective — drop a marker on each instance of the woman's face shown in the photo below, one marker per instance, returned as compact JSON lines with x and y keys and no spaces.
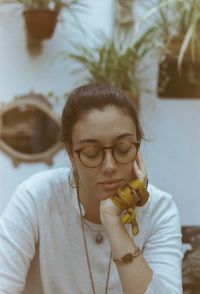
{"x":104,"y":128}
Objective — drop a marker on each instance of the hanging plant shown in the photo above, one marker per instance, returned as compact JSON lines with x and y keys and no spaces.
{"x":114,"y":64}
{"x":179,"y":25}
{"x":41,"y":15}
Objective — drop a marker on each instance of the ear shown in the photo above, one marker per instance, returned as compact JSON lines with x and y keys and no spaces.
{"x":70,"y":152}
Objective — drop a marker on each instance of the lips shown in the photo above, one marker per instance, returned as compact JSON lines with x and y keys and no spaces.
{"x":111,"y":184}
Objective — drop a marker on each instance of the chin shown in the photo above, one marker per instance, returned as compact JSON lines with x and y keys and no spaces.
{"x":105,"y":195}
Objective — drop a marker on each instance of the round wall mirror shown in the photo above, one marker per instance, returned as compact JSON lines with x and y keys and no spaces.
{"x":29,"y":130}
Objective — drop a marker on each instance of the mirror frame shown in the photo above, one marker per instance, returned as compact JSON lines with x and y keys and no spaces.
{"x":42,"y":104}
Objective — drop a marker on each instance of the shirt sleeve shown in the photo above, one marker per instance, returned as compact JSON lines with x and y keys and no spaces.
{"x":18,"y":240}
{"x":163,"y":249}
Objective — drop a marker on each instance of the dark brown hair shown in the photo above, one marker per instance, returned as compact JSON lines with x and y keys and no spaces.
{"x":95,"y":96}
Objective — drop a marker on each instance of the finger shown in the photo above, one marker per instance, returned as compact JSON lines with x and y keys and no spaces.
{"x":139,"y":168}
{"x":140,"y":161}
{"x":136,"y":163}
{"x":136,"y":169}
{"x":142,"y":167}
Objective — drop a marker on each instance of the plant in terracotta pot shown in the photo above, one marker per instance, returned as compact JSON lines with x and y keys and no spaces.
{"x":112,"y":63}
{"x":41,"y":15}
{"x":179,"y":26}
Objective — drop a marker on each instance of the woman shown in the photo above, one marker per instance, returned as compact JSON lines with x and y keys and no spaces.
{"x":62,"y":232}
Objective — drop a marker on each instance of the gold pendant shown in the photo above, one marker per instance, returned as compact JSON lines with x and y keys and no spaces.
{"x":99,"y":238}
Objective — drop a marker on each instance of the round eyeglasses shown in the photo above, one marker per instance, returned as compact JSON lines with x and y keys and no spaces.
{"x":93,"y":156}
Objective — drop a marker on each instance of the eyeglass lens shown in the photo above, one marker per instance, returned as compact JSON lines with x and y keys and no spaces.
{"x":93,"y":156}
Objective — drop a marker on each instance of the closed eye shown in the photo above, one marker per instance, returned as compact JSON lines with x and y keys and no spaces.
{"x":91,"y":152}
{"x":123,"y":147}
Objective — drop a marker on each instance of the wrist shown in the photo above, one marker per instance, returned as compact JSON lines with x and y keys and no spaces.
{"x":114,"y":228}
{"x":111,"y":222}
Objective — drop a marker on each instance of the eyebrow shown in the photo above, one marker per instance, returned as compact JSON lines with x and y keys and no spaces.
{"x":90,"y":140}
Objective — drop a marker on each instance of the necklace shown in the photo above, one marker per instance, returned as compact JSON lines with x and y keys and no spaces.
{"x":87,"y":255}
{"x":99,"y":236}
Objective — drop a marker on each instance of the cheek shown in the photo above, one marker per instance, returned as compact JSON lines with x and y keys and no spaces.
{"x":86,"y":175}
{"x":129,"y":172}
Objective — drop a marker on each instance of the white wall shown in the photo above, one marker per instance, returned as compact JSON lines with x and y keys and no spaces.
{"x":21,"y":73}
{"x":172,"y":157}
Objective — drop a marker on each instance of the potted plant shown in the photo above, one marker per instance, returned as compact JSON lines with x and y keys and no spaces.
{"x":112,"y":63}
{"x":179,"y":70}
{"x":41,"y":15}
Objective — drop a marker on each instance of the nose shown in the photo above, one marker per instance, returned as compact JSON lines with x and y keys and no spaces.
{"x":109,"y":163}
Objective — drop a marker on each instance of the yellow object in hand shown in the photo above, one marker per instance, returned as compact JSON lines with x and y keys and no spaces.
{"x":126,"y":201}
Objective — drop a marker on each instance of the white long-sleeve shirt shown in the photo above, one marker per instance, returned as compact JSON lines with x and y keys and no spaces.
{"x":42,"y":248}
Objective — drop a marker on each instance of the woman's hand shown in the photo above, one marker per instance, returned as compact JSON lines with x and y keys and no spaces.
{"x":139,"y":169}
{"x":111,"y":214}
